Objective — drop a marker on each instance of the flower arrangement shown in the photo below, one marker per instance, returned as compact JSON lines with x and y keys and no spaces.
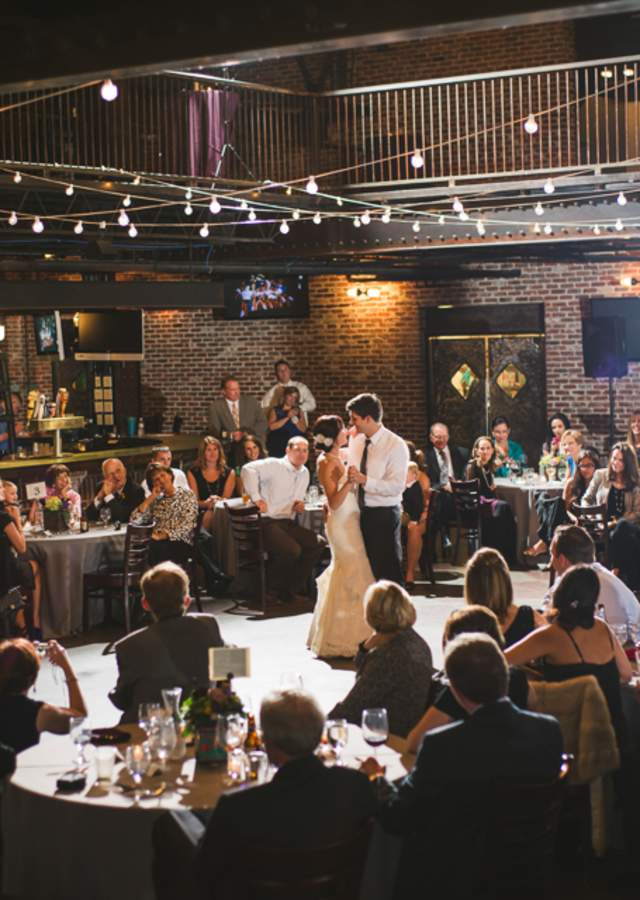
{"x":55,"y":504}
{"x":56,"y":514}
{"x":204,"y":706}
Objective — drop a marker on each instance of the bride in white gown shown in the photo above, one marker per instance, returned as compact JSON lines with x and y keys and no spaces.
{"x":338,"y":624}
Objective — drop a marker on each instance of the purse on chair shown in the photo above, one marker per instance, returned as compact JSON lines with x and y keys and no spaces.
{"x":10,"y":605}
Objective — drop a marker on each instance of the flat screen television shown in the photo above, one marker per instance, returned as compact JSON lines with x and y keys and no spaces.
{"x":626,"y":308}
{"x":263,"y":296}
{"x":48,"y":334}
{"x":116,"y":334}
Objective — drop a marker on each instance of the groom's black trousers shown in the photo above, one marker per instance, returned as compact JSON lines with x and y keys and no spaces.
{"x":381,"y":532}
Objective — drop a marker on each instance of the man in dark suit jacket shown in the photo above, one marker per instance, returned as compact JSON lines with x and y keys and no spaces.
{"x":441,"y":806}
{"x":233,"y":416}
{"x":117,"y":493}
{"x":443,"y":462}
{"x":172,"y":652}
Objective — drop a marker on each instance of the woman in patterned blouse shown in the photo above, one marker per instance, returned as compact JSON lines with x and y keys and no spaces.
{"x":175,"y":512}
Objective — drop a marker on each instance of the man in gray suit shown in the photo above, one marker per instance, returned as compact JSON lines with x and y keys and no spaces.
{"x":172,"y":652}
{"x":232,"y":416}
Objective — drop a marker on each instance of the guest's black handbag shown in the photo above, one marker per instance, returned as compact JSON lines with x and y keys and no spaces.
{"x":10,"y":605}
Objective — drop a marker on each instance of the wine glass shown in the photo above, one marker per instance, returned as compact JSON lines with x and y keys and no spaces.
{"x":105,"y":516}
{"x":147,"y":714}
{"x":163,"y":739}
{"x":338,"y":734}
{"x":81,"y":736}
{"x":375,"y":728}
{"x":137,"y":762}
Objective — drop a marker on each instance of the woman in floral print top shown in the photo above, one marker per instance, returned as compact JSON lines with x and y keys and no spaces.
{"x":175,"y":513}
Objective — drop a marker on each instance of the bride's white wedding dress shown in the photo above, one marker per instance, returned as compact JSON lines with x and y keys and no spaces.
{"x":338,"y":623}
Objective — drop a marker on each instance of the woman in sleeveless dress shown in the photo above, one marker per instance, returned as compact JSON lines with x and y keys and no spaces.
{"x":339,"y":624}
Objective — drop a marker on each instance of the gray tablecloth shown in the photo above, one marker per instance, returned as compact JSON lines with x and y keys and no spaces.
{"x":64,"y":559}
{"x":522,"y":500}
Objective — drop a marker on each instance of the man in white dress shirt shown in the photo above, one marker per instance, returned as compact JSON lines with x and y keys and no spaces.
{"x":164,"y":456}
{"x":277,"y":486}
{"x":378,"y":461}
{"x":283,"y":374}
{"x":572,"y":545}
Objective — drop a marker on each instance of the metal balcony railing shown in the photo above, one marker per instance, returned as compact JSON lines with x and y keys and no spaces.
{"x":465,"y":128}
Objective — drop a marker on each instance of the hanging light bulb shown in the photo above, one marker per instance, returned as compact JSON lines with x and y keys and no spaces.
{"x":311,"y":186}
{"x":618,"y":226}
{"x":13,"y":219}
{"x":244,"y":204}
{"x":480,"y":227}
{"x":596,"y":229}
{"x":17,"y":178}
{"x":78,"y":228}
{"x":204,"y":231}
{"x":463,"y":216}
{"x":133,"y":231}
{"x":127,"y":201}
{"x":356,"y":222}
{"x":386,"y":216}
{"x":37,"y":226}
{"x":538,"y":209}
{"x":251,"y":216}
{"x":441,"y":220}
{"x":214,"y":206}
{"x":69,"y":190}
{"x":416,"y":160}
{"x":628,"y":72}
{"x":188,"y":194}
{"x":416,"y":227}
{"x":531,"y":126}
{"x":457,"y":205}
{"x":136,"y":180}
{"x":365,"y":218}
{"x":317,"y":219}
{"x":284,"y":228}
{"x":339,"y":201}
{"x":621,"y":200}
{"x":108,"y":90}
{"x":548,"y":229}
{"x":188,"y":209}
{"x":606,"y":72}
{"x":123,"y":219}
{"x":295,"y":215}
{"x":536,"y":228}
{"x":102,"y":226}
{"x":549,"y":186}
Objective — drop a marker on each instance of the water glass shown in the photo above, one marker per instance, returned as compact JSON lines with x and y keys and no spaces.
{"x":237,"y":765}
{"x":137,"y":759}
{"x":105,"y":516}
{"x":375,"y":727}
{"x":313,"y":494}
{"x":338,"y":735}
{"x":171,"y":700}
{"x":81,"y":736}
{"x":258,"y":768}
{"x":163,"y":739}
{"x":236,"y":727}
{"x":105,"y":758}
{"x":147,"y":714}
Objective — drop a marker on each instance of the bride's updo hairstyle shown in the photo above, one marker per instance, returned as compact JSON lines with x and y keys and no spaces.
{"x":326,"y":430}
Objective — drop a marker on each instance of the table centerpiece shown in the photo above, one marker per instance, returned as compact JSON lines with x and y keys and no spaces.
{"x":204,"y":712}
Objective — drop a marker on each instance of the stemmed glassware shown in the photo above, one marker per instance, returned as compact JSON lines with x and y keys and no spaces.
{"x":375,"y":728}
{"x":338,"y":734}
{"x":81,"y":736}
{"x":105,"y":516}
{"x":147,"y":715}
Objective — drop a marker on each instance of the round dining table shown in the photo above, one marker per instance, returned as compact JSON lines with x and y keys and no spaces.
{"x":97,"y":843}
{"x":64,"y":559}
{"x":521,"y":495}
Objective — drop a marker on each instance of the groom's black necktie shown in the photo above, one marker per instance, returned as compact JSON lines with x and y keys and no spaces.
{"x":363,"y":469}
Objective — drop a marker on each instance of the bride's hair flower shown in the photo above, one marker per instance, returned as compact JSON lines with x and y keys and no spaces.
{"x":324,"y":441}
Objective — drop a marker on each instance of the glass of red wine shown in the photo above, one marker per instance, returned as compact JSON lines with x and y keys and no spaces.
{"x":375,"y":728}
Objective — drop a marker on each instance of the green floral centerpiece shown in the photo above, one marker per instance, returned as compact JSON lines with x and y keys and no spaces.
{"x":553,"y":467}
{"x":56,"y":514}
{"x":203,"y":713}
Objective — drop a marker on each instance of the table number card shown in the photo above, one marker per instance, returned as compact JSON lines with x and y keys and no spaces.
{"x":36,"y":490}
{"x":225,"y":661}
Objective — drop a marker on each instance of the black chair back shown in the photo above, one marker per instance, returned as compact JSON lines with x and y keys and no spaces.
{"x":246,"y":529}
{"x":595,"y":520}
{"x":466,"y":499}
{"x":136,"y":549}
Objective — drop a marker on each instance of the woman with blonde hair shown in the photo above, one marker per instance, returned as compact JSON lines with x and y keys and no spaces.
{"x":393,"y":666}
{"x":210,"y":478}
{"x":487,"y":582}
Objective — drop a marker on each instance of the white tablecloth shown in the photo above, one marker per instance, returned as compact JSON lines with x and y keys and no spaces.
{"x":521,"y":497}
{"x":64,"y":559}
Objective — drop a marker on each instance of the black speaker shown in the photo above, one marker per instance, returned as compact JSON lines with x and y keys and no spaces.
{"x":604,"y":347}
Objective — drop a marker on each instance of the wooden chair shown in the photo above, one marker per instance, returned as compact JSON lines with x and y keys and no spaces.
{"x":246,"y":528}
{"x":126,"y":578}
{"x":194,"y":561}
{"x":466,"y":499}
{"x":333,"y":871}
{"x":595,"y":520}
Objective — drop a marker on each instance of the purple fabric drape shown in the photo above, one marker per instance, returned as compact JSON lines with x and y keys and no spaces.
{"x":210,"y":127}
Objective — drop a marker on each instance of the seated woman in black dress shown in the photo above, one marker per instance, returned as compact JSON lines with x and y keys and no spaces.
{"x":210,"y":478}
{"x":22,"y":719}
{"x":618,"y":487}
{"x":175,"y":514}
{"x":487,"y":582}
{"x":445,"y":708}
{"x":415,"y":508}
{"x":577,"y":642}
{"x":554,"y":511}
{"x":286,"y":421}
{"x":498,"y":523}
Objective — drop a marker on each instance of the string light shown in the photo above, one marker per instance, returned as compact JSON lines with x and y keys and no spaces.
{"x":416,"y":160}
{"x":618,"y":226}
{"x":548,"y":229}
{"x":480,"y":228}
{"x":317,"y":219}
{"x":356,"y":222}
{"x":188,"y":194}
{"x":339,"y":201}
{"x":108,"y":90}
{"x":204,"y":231}
{"x":123,"y":219}
{"x":538,"y":209}
{"x":606,"y":72}
{"x":214,"y":206}
{"x":244,"y":204}
{"x":536,"y":228}
{"x":37,"y":226}
{"x":628,"y":72}
{"x":549,"y":186}
{"x":365,"y":218}
{"x":416,"y":227}
{"x":441,"y":220}
{"x":289,"y":191}
{"x":463,"y":216}
{"x":136,"y":180}
{"x":621,"y":200}
{"x":596,"y":229}
{"x":17,"y":178}
{"x":531,"y":126}
{"x":294,"y":215}
{"x":188,"y":209}
{"x":78,"y":228}
{"x":386,"y":216}
{"x":133,"y":231}
{"x":13,"y":219}
{"x":69,"y":190}
{"x":311,"y":186}
{"x":102,"y":226}
{"x":127,"y":201}
{"x":457,"y":205}
{"x":251,"y":216}
{"x":284,"y":228}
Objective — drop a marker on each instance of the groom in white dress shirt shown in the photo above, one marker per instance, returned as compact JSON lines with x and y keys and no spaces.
{"x":378,"y":460}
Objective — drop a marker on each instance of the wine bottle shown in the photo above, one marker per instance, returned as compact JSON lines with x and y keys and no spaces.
{"x":252,"y":741}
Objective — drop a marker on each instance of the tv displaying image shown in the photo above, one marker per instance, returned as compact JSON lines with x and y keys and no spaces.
{"x":47,"y":333}
{"x":266,"y":297}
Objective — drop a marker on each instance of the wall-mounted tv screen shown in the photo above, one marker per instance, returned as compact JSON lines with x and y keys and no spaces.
{"x":116,"y":334}
{"x":628,"y":309}
{"x":266,"y":297}
{"x":48,"y":334}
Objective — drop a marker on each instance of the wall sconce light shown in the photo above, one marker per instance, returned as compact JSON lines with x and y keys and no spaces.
{"x":2,"y":332}
{"x":627,"y":281}
{"x":363,"y":293}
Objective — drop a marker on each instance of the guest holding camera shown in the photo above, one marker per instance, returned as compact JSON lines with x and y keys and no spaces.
{"x":286,"y":421}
